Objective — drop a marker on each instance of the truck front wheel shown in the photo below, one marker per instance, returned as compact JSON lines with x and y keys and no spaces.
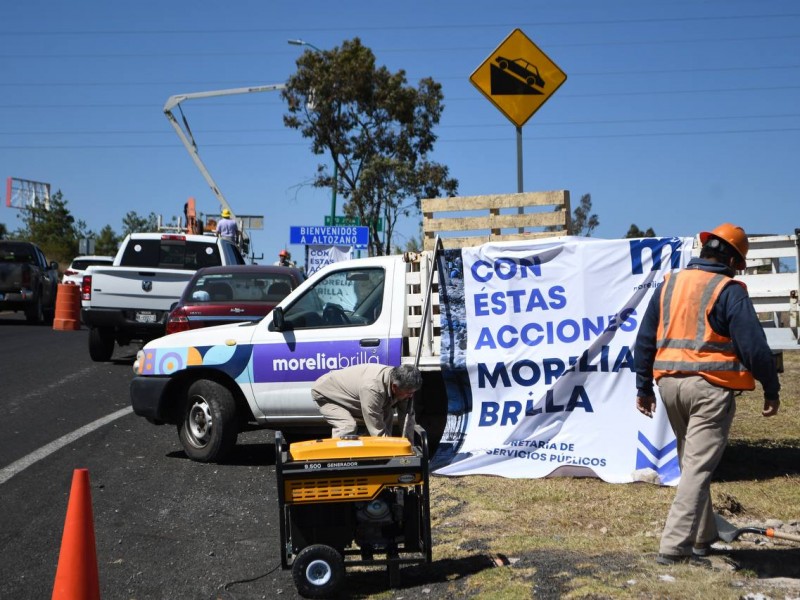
{"x":101,"y":344}
{"x":208,"y":427}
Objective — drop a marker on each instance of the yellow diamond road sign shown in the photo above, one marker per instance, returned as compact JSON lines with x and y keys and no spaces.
{"x":518,"y":77}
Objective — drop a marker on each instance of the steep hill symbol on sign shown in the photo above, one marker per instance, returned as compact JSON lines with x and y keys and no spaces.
{"x":514,"y":77}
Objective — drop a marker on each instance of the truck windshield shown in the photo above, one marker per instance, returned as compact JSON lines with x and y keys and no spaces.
{"x":344,"y":298}
{"x":170,"y":254}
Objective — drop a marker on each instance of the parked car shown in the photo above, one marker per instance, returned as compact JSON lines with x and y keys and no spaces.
{"x":74,"y":273}
{"x":230,"y":294}
{"x":28,"y":281}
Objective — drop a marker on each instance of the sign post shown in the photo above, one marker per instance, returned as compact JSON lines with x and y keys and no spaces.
{"x":518,"y":78}
{"x":342,"y":220}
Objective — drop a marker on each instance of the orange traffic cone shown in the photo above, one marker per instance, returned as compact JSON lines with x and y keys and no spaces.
{"x":68,"y":308}
{"x":77,"y":576}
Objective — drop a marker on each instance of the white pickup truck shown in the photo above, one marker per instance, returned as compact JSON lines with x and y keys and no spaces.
{"x":130,"y":300}
{"x":219,"y":381}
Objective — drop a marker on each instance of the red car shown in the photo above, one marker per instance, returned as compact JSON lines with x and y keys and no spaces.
{"x":232,"y":294}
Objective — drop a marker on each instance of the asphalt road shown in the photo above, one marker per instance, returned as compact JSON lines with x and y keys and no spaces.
{"x":165,"y":527}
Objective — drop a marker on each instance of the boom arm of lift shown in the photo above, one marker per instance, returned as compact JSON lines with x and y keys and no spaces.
{"x":185,"y":133}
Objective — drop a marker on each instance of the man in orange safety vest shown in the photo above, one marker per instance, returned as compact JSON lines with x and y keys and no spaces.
{"x":702,"y":342}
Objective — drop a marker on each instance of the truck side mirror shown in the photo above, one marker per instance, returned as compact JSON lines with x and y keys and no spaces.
{"x":277,"y":318}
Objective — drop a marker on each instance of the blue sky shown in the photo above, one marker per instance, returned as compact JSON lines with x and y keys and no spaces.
{"x":675,"y":115}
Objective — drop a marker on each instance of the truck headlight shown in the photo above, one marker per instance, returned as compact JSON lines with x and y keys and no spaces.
{"x":139,"y":361}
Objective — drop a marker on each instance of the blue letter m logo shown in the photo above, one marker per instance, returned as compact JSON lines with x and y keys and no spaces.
{"x":656,"y":247}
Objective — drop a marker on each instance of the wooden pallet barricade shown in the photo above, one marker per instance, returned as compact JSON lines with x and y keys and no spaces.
{"x":475,"y":220}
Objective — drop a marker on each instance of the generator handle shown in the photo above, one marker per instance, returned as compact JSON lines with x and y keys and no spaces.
{"x":422,"y":435}
{"x":421,"y":439}
{"x":280,"y":447}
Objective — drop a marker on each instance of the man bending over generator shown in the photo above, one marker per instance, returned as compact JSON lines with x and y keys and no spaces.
{"x":368,"y":394}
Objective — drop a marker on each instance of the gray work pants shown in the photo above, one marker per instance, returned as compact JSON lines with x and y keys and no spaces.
{"x":701,"y":415}
{"x":339,"y":418}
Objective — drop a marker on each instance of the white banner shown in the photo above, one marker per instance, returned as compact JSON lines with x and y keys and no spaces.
{"x":321,"y":256}
{"x":550,"y":330}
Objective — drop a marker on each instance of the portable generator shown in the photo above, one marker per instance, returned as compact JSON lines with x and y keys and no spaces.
{"x":350,"y":501}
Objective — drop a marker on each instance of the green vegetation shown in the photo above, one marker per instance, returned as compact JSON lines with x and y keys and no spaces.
{"x":56,"y":231}
{"x":133,"y":223}
{"x":635,"y":232}
{"x":584,"y":223}
{"x":377,"y":130}
{"x":107,"y":242}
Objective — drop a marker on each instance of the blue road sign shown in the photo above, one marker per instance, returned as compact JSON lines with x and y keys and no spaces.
{"x":337,"y":235}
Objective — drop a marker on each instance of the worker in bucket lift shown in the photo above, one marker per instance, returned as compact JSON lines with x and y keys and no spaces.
{"x":368,"y":394}
{"x":284,"y":259}
{"x":227,"y":228}
{"x":701,"y":340}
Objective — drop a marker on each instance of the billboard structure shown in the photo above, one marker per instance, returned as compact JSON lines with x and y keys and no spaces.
{"x":24,"y":193}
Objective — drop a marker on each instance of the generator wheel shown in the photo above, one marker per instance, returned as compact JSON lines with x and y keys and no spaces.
{"x":318,"y":571}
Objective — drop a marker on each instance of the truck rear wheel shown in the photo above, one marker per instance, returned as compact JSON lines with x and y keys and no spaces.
{"x":101,"y":344}
{"x":208,"y":427}
{"x":34,"y":314}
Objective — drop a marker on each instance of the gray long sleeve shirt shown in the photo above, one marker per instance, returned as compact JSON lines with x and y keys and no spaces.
{"x":366,"y":392}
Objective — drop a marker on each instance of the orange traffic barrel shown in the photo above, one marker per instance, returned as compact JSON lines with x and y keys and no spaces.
{"x":68,"y":308}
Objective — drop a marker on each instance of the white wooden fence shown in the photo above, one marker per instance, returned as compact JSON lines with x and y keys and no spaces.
{"x":773,"y":282}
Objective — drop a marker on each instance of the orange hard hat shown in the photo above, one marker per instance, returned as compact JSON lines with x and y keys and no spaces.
{"x":732,"y":235}
{"x":283,"y":253}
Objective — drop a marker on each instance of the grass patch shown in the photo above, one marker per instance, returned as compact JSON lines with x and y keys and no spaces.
{"x":584,"y":538}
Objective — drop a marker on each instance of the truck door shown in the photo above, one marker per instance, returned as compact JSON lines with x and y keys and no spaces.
{"x":343,"y":319}
{"x":49,"y":280}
